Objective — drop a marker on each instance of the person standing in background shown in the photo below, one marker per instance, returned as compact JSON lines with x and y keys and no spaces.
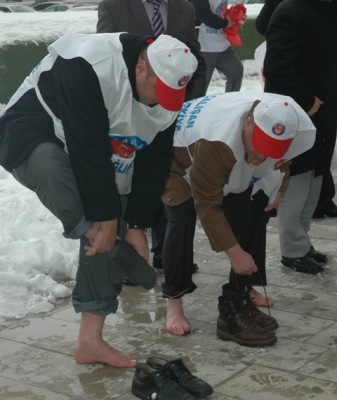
{"x":301,"y":62}
{"x":215,"y":48}
{"x":262,"y":20}
{"x":326,"y":205}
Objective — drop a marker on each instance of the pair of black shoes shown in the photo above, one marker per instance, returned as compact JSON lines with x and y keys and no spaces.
{"x":312,"y":263}
{"x":160,"y":379}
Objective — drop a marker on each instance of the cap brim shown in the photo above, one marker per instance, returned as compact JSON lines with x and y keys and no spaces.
{"x":268,"y":146}
{"x":169,"y":98}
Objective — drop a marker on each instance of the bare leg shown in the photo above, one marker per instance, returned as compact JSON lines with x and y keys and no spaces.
{"x":260,"y":300}
{"x":91,"y":348}
{"x":176,"y":322}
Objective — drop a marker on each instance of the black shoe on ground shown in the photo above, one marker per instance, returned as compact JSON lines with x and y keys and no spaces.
{"x":132,"y":265}
{"x":304,"y":264}
{"x":180,"y":374}
{"x":317,"y":256}
{"x":149,"y":383}
{"x":235,"y":323}
{"x":329,"y":210}
{"x":157,"y":263}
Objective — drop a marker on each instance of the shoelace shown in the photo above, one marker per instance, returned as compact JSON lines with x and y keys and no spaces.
{"x":264,"y":289}
{"x":183,"y":375}
{"x":166,"y":385}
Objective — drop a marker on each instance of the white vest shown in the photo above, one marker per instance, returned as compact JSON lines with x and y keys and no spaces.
{"x":130,"y":122}
{"x":211,"y":39}
{"x":220,"y":118}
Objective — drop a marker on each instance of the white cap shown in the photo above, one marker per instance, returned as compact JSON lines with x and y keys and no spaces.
{"x":276,"y":125}
{"x":174,"y":65}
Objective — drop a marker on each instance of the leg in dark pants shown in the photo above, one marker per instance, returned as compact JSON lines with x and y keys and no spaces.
{"x":239,"y":319}
{"x":325,"y":205}
{"x":158,"y":236}
{"x":248,"y":220}
{"x":178,"y":250}
{"x":178,"y":264}
{"x":158,"y":230}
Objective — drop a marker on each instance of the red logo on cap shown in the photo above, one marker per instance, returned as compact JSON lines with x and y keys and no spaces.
{"x":278,"y":129}
{"x":183,"y":81}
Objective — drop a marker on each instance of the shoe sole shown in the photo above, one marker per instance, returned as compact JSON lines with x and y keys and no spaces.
{"x":249,"y":343}
{"x":304,"y":270}
{"x":158,"y":396}
{"x":139,"y":394}
{"x":133,"y":266}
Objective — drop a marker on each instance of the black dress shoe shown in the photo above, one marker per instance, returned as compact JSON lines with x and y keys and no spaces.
{"x":303,"y":264}
{"x":177,"y":371}
{"x":330,"y":210}
{"x":149,"y":383}
{"x":317,"y":256}
{"x":157,"y":262}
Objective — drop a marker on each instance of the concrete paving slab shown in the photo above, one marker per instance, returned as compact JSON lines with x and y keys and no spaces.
{"x":11,"y":389}
{"x":269,"y":383}
{"x":36,"y":360}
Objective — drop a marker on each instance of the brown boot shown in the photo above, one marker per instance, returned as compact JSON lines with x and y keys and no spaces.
{"x":264,"y":321}
{"x":236,"y":323}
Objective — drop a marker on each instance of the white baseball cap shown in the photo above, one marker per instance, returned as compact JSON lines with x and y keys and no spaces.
{"x":276,"y":125}
{"x":174,"y":64}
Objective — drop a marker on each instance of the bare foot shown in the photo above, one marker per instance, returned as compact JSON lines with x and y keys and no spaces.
{"x":176,"y":322}
{"x":100,"y":352}
{"x":260,"y":300}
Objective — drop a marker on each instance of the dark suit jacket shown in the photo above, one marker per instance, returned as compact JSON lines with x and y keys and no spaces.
{"x":262,"y":20}
{"x":301,"y":62}
{"x":130,"y":16}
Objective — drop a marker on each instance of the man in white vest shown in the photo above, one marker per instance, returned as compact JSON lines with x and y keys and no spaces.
{"x":81,"y":131}
{"x":230,"y":166}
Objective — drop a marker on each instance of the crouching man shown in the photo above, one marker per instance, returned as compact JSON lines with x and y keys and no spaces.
{"x":230,"y":167}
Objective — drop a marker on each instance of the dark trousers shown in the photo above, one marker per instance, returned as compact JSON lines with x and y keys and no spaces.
{"x":328,"y":191}
{"x":248,"y":221}
{"x":328,"y":185}
{"x":177,"y":254}
{"x":158,"y":230}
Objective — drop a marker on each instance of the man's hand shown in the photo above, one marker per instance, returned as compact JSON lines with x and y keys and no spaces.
{"x":315,"y":107}
{"x":138,"y":239}
{"x":241,"y":261}
{"x":102,"y":237}
{"x":275,"y":203}
{"x":230,"y":22}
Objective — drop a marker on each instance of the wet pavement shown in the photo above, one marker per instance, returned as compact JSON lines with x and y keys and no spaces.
{"x":36,"y":360}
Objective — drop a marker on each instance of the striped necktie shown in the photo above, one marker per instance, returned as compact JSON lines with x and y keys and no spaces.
{"x":157,"y":21}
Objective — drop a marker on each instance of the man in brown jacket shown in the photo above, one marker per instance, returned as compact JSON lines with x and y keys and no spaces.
{"x":230,"y":164}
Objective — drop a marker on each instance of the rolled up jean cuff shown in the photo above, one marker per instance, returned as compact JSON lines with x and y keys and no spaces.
{"x":79,"y":230}
{"x":100,"y":307}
